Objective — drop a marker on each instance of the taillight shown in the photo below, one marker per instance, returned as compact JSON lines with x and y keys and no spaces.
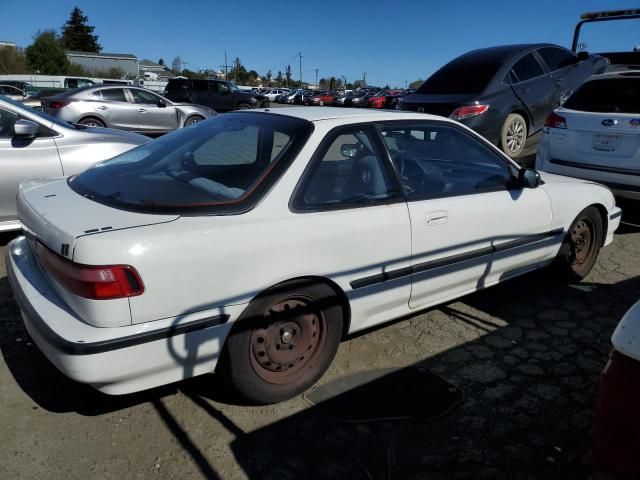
{"x":96,"y":282}
{"x":555,"y":121}
{"x":469,"y":111}
{"x":57,"y":104}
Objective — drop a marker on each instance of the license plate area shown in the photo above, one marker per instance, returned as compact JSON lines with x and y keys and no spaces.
{"x":606,"y":142}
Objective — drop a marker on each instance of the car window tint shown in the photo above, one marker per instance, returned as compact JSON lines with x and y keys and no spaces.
{"x":455,"y":76}
{"x":280,"y":142}
{"x":436,"y":161}
{"x":527,"y":67}
{"x":608,"y":95}
{"x":350,"y":173}
{"x":222,"y":87}
{"x":200,"y":85}
{"x":556,"y":58}
{"x":140,"y":96}
{"x":229,"y":148}
{"x":114,"y":95}
{"x":7,"y":122}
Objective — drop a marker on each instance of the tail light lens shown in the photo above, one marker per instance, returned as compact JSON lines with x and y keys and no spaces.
{"x":555,"y":121}
{"x":96,"y":282}
{"x":469,"y":111}
{"x":57,"y":104}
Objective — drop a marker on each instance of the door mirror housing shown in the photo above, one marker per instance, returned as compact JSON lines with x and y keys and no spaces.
{"x":162,"y":103}
{"x":25,"y":129}
{"x":529,"y":178}
{"x":582,"y":56}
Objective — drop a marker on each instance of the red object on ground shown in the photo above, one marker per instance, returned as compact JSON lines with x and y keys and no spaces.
{"x":616,"y":435}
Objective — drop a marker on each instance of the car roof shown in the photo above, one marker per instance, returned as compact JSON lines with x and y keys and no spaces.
{"x":315,"y":114}
{"x":503,"y":52}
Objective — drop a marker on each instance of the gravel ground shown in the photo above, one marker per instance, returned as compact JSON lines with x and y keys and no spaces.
{"x":527,"y":355}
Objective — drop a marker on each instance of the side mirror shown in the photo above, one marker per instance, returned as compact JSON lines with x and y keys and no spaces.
{"x":162,"y":103}
{"x":349,"y":150}
{"x":582,"y":56}
{"x":25,"y":129}
{"x":529,"y":178}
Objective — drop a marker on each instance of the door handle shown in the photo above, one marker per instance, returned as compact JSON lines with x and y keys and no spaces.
{"x":522,"y":90}
{"x":437,"y":218}
{"x":559,"y":79}
{"x":102,"y":107}
{"x":141,"y":110}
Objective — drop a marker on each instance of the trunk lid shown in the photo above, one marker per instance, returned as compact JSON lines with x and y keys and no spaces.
{"x":608,"y":140}
{"x":442,"y":105}
{"x":51,"y":212}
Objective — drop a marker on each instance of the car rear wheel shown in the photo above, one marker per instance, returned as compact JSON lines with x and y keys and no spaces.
{"x":581,"y":245}
{"x":513,"y":137}
{"x":91,"y":122}
{"x":244,"y":106}
{"x":192,"y":120}
{"x":284,"y":342}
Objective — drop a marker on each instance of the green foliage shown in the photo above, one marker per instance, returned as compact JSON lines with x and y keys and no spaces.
{"x":77,"y":35}
{"x":416,"y":83}
{"x":12,"y":61}
{"x":161,"y":62}
{"x":45,"y":56}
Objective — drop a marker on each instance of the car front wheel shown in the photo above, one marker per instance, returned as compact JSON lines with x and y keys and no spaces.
{"x":192,"y":120}
{"x":513,"y":136}
{"x":581,"y":245}
{"x":284,"y":342}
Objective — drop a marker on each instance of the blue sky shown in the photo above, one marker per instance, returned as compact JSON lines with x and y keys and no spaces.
{"x":392,"y":41}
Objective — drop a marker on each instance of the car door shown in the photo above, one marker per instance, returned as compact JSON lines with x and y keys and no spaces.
{"x":22,"y":159}
{"x":224,"y":96}
{"x":535,"y":88}
{"x":567,"y":71}
{"x":355,"y":214}
{"x":154,"y":114}
{"x":471,"y":226}
{"x":116,"y":108}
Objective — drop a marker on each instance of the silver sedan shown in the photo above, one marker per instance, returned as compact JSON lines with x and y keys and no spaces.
{"x":34,"y":145}
{"x":125,"y":108}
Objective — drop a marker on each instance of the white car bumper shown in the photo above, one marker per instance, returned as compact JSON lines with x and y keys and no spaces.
{"x":115,"y":360}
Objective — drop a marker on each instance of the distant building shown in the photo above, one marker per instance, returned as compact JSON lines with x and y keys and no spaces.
{"x":93,"y":62}
{"x":153,"y":71}
{"x":212,"y":74}
{"x":7,"y":44}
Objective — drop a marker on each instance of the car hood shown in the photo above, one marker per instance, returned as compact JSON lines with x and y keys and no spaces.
{"x":626,"y":336}
{"x":52,"y":212}
{"x":98,"y":134}
{"x":553,"y":178}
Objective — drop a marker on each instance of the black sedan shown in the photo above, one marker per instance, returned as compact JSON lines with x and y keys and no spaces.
{"x":505,"y":93}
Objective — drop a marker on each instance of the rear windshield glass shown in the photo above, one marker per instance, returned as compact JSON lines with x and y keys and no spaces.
{"x":608,"y":95}
{"x":222,"y":165}
{"x":466,"y":74}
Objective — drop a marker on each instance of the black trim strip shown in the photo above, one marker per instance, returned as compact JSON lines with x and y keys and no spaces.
{"x":613,"y":216}
{"x":599,"y":168}
{"x":452,"y":259}
{"x":81,"y":348}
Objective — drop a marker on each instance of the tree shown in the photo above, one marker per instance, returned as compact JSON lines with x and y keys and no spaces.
{"x":45,"y":55}
{"x":416,"y":83}
{"x":279,"y":78}
{"x":287,"y":74}
{"x":161,"y":62}
{"x":268,"y":77}
{"x":77,"y":35}
{"x":12,"y":61}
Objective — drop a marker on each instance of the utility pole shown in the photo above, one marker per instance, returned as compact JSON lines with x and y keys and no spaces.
{"x":225,"y":66}
{"x":316,"y":78}
{"x":300,"y":54}
{"x":405,"y":84}
{"x":364,"y":77}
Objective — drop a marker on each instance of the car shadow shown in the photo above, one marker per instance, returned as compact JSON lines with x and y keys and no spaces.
{"x":6,"y":237}
{"x":630,"y":221}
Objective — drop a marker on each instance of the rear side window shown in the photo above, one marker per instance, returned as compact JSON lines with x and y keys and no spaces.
{"x":556,"y":58}
{"x":527,"y":67}
{"x":200,"y":85}
{"x":223,"y":165}
{"x":178,"y":84}
{"x":608,"y":95}
{"x":466,"y":74}
{"x":114,"y":95}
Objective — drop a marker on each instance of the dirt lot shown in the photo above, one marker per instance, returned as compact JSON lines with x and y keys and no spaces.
{"x":527,"y":354}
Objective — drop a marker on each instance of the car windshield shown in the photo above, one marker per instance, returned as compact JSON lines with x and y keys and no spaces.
{"x":608,"y":95}
{"x":222,"y":165}
{"x":233,"y":87}
{"x":466,"y":74}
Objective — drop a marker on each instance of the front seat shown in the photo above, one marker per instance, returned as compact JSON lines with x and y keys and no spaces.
{"x":366,"y":178}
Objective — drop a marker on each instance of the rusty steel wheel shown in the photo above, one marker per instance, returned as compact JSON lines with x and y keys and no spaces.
{"x":289,"y":341}
{"x":581,"y":245}
{"x":284,"y":341}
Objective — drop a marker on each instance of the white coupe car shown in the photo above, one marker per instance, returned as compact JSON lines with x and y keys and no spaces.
{"x":596,"y":134}
{"x":255,"y":241}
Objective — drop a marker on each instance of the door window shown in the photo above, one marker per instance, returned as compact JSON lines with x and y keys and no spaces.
{"x":527,"y":67}
{"x":140,"y":96}
{"x":435,"y":160}
{"x":350,"y":173}
{"x":556,"y":58}
{"x":200,"y":85}
{"x":7,"y":122}
{"x":114,"y":95}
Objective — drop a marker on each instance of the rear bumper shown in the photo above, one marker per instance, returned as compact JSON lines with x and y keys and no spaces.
{"x":115,"y":360}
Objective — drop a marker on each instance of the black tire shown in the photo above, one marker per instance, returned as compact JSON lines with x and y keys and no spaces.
{"x":192,"y":120}
{"x":91,"y":122}
{"x":513,"y":136}
{"x":581,"y":245}
{"x":244,"y":106}
{"x":284,"y":342}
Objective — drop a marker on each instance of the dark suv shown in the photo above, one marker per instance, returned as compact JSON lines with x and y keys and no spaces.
{"x":220,"y":95}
